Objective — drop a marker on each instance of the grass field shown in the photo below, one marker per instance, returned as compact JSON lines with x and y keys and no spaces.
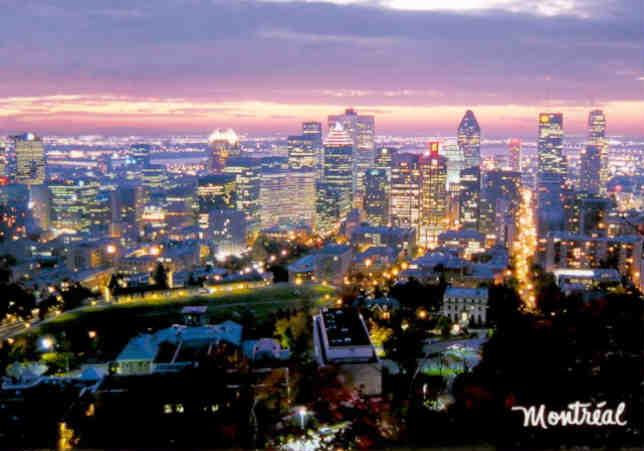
{"x":112,"y":325}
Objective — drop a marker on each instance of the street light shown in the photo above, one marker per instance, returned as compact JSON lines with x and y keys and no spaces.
{"x":302,"y":413}
{"x":47,"y":344}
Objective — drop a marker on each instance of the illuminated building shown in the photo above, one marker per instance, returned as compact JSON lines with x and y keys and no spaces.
{"x":384,"y":157}
{"x":566,"y":250}
{"x":140,"y":155}
{"x":589,"y":177}
{"x":514,"y":151}
{"x":403,"y":241}
{"x":405,"y":192}
{"x":223,"y":144}
{"x":154,"y":177}
{"x":469,"y":140}
{"x":551,"y":173}
{"x":500,"y":203}
{"x":287,"y":197}
{"x":455,"y":162}
{"x":433,"y":196}
{"x":247,"y":179}
{"x":467,"y":306}
{"x":335,"y":188}
{"x":215,"y":192}
{"x":72,"y":205}
{"x":313,"y":132}
{"x":4,"y":160}
{"x":40,"y":205}
{"x":127,"y":202}
{"x":302,"y":152}
{"x":465,"y":242}
{"x":376,"y":198}
{"x":30,"y":159}
{"x":470,"y":198}
{"x":227,"y":232}
{"x":597,"y":139}
{"x":361,"y":129}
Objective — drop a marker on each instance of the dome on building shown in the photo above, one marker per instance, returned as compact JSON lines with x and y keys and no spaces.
{"x":227,"y":135}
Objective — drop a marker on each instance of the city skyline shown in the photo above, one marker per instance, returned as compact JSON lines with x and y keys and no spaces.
{"x":264,"y":66}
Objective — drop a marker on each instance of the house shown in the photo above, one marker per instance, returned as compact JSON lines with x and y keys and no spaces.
{"x":467,"y":306}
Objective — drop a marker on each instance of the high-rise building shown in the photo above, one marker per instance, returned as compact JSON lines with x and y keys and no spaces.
{"x":30,"y":159}
{"x":74,"y":205}
{"x":140,"y":155}
{"x":514,"y":154}
{"x":287,"y":197}
{"x":313,"y":132}
{"x":127,"y":203}
{"x":223,"y":144}
{"x":500,"y":200}
{"x":597,"y":139}
{"x":470,"y":198}
{"x":589,"y":173}
{"x":376,"y":198}
{"x":469,"y":140}
{"x":215,"y":192}
{"x":247,"y":180}
{"x":405,"y":192}
{"x":361,"y":129}
{"x":384,"y":157}
{"x":433,"y":196}
{"x":335,"y":188}
{"x":302,"y":152}
{"x":551,"y":173}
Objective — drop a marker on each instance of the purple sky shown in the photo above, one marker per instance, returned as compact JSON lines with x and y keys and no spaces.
{"x":188,"y":65}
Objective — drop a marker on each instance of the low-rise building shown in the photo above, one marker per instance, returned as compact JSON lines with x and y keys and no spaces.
{"x":467,"y":306}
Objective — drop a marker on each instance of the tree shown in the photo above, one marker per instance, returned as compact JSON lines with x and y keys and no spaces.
{"x":160,"y":277}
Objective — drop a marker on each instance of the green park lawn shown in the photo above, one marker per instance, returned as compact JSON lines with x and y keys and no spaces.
{"x":113,"y":325}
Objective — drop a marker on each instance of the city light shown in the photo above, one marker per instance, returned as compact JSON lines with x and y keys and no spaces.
{"x":524,"y":250}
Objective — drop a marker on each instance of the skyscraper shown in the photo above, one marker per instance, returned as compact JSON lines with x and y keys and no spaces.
{"x":597,"y":138}
{"x":384,"y":157}
{"x":74,"y":205}
{"x":140,"y":155}
{"x":215,"y":192}
{"x":223,"y":144}
{"x":514,"y":150}
{"x":433,"y":196}
{"x":550,"y":173}
{"x":247,"y":185}
{"x":469,"y":139}
{"x":470,"y":198}
{"x":405,"y":191}
{"x":335,"y":188}
{"x":30,"y":159}
{"x":376,"y":198}
{"x":313,"y":132}
{"x":361,"y":129}
{"x":589,"y":173}
{"x":302,"y":152}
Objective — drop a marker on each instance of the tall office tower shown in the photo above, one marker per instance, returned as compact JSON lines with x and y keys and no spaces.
{"x":223,"y":144}
{"x":455,"y":161}
{"x":361,"y":128}
{"x":154,"y":177}
{"x":376,"y":198}
{"x":335,"y":188}
{"x":140,"y":155}
{"x":30,"y":159}
{"x":500,"y":200}
{"x":597,"y":138}
{"x":247,"y":180}
{"x":469,"y":140}
{"x":433,"y":196}
{"x":313,"y":132}
{"x":302,"y":152}
{"x":215,"y":192}
{"x":589,"y":173}
{"x":127,"y":203}
{"x":470,"y":198}
{"x":551,"y":173}
{"x":404,"y":196}
{"x":72,"y":205}
{"x":384,"y":157}
{"x":514,"y":151}
{"x":287,"y":197}
{"x":100,"y":214}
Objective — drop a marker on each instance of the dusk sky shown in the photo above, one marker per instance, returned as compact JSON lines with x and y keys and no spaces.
{"x":154,"y":66}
